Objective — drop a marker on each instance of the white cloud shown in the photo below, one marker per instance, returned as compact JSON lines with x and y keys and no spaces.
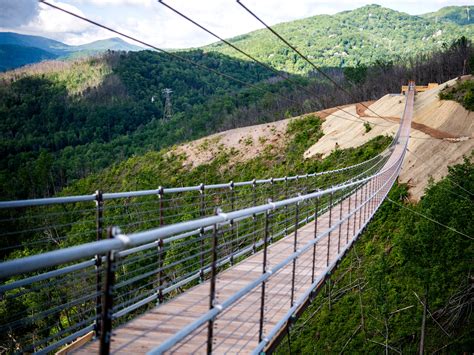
{"x":51,"y":23}
{"x":117,"y":2}
{"x":50,"y":20}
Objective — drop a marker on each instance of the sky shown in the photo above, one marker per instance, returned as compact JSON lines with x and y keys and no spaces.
{"x":152,"y":22}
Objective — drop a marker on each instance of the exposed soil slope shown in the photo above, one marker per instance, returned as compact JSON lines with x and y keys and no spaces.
{"x":442,"y":132}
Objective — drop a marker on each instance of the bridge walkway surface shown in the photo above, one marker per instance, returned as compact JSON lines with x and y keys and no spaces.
{"x":236,"y":328}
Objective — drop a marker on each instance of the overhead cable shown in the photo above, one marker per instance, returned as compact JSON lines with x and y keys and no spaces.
{"x":304,"y":57}
{"x":251,"y":57}
{"x":429,"y":219}
{"x":173,"y":55}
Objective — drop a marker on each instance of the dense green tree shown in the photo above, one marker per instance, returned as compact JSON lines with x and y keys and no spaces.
{"x":402,"y":262}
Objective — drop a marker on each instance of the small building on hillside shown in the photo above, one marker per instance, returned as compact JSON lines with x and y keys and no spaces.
{"x":420,"y":88}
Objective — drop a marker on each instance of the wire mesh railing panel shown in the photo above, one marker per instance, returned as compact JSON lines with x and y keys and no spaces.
{"x":37,"y":229}
{"x":40,"y":310}
{"x":35,"y":226}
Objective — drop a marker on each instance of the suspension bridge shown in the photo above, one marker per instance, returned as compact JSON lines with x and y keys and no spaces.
{"x":206,"y":268}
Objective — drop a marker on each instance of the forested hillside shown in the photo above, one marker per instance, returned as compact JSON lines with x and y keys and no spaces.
{"x":13,"y":56}
{"x":72,"y":119}
{"x":462,"y":15}
{"x":374,"y":302}
{"x":65,"y":120}
{"x":360,"y":36}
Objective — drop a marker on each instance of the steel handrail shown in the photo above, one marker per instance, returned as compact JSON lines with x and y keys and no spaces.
{"x":219,"y":308}
{"x":122,"y":241}
{"x":169,"y":190}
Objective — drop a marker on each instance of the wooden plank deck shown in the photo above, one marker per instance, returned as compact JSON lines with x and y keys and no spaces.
{"x":236,"y":329}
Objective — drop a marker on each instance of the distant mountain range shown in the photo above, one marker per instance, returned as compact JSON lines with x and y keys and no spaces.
{"x":362,"y":36}
{"x":17,"y":49}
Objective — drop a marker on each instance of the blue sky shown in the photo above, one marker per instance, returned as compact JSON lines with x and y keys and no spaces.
{"x":152,"y":22}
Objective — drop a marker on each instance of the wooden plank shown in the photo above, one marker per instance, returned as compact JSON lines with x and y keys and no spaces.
{"x":76,"y":344}
{"x":236,"y":329}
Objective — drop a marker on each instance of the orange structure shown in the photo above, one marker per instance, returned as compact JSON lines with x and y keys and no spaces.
{"x":420,"y":88}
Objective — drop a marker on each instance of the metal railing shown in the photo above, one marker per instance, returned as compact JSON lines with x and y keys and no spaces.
{"x":28,"y":226}
{"x":54,"y":297}
{"x":146,"y":274}
{"x":137,"y":262}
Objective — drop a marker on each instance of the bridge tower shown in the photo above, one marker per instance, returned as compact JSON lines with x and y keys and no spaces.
{"x":167,"y":112}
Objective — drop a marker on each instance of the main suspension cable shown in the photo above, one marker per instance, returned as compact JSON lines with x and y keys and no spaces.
{"x":429,"y":219}
{"x":173,"y":55}
{"x":262,"y":64}
{"x":305,"y":57}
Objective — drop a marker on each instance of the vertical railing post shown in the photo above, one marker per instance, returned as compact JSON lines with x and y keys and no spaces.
{"x":365,"y":201}
{"x":363,"y":198}
{"x":99,"y":202}
{"x":161,"y":252}
{"x":160,"y":270}
{"x":348,"y":218}
{"x":212,"y":290}
{"x":355,"y":211}
{"x":202,"y":214}
{"x":377,"y":187}
{"x":202,"y":201}
{"x":264,"y":270}
{"x":371,"y":204}
{"x":330,"y":223}
{"x":107,"y":306}
{"x":316,"y":208}
{"x":254,"y":216}
{"x":361,"y":210}
{"x":308,"y":209}
{"x":201,"y":254}
{"x":287,"y":217}
{"x":160,"y":196}
{"x":376,"y":193}
{"x":231,"y":222}
{"x":272,"y":193}
{"x":272,"y":182}
{"x":295,"y":246}
{"x":376,"y":202}
{"x":340,"y":226}
{"x":297,"y":184}
{"x":232,"y":195}
{"x":367,"y":197}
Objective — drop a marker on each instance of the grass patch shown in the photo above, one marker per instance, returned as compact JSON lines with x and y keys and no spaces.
{"x":462,"y":92}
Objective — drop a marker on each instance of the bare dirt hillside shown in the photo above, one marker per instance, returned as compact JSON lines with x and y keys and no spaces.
{"x":244,"y":143}
{"x":442,"y":132}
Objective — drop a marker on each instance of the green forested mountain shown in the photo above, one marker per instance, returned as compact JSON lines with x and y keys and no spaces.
{"x":50,"y":45}
{"x":361,"y":36}
{"x":63,"y":123}
{"x":462,"y":15}
{"x":374,"y":302}
{"x":64,"y":120}
{"x":13,"y":56}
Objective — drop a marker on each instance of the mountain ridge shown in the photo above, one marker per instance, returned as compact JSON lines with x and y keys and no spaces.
{"x":347,"y":38}
{"x":461,"y":15}
{"x":52,"y":49}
